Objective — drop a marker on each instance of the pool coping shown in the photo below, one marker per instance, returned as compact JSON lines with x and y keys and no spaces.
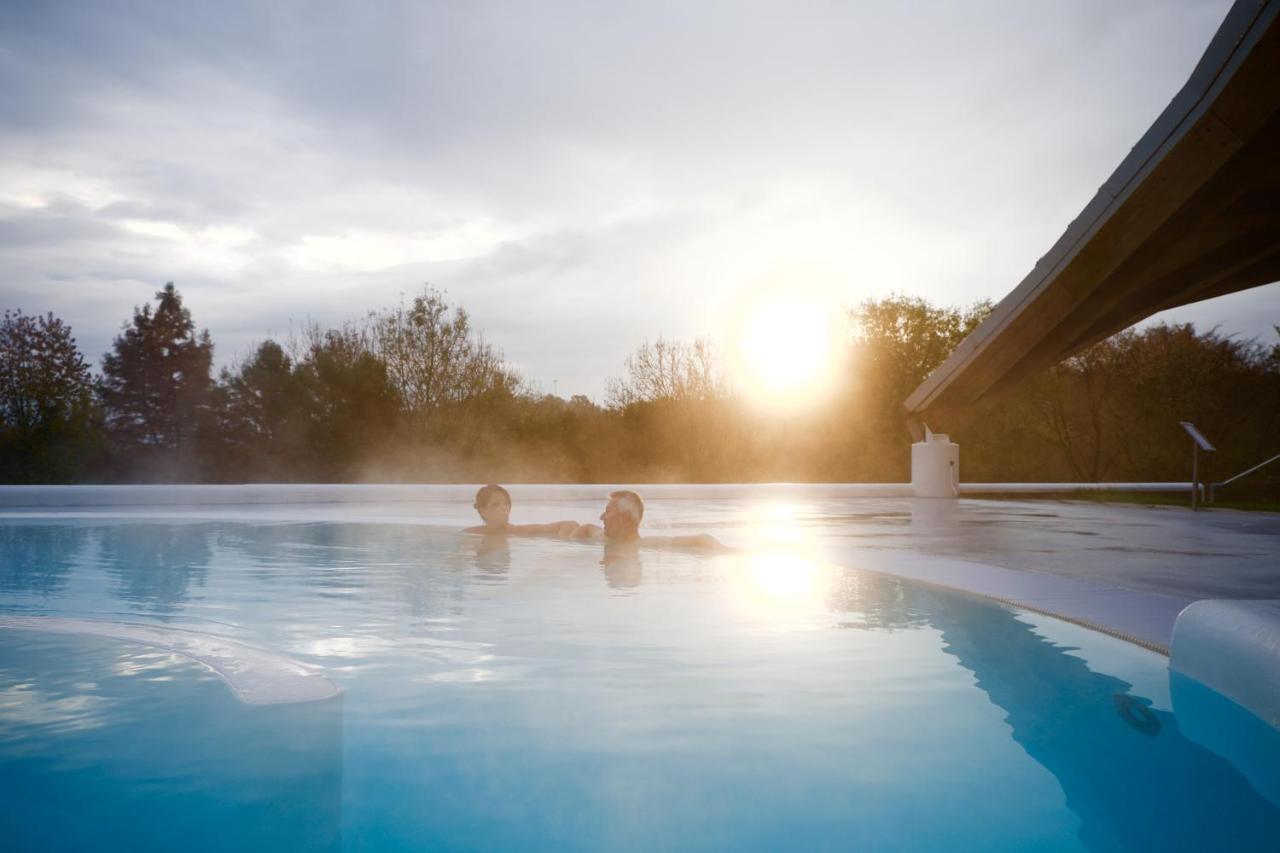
{"x":1145,"y":619}
{"x":216,"y":494}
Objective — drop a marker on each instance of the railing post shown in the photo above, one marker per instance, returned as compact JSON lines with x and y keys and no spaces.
{"x":1195,"y":474}
{"x":1198,"y":441}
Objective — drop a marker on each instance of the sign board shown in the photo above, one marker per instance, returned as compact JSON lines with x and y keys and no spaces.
{"x":1200,"y":440}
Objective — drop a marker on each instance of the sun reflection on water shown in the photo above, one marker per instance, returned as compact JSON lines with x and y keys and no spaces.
{"x":782,"y":571}
{"x":782,"y":576}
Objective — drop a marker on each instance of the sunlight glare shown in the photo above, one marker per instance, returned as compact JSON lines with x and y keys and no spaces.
{"x":782,"y":576}
{"x":781,"y":586}
{"x":785,"y":351}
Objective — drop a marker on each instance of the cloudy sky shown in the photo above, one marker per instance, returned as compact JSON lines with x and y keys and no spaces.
{"x":581,"y":176}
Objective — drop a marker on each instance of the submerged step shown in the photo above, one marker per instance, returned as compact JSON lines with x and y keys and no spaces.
{"x":255,"y":676}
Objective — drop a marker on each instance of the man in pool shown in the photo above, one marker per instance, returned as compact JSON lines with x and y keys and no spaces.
{"x":494,"y":505}
{"x":621,"y":531}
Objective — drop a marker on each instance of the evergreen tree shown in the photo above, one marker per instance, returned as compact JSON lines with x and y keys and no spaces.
{"x":266,"y":413}
{"x":353,"y":404}
{"x":156,"y":385}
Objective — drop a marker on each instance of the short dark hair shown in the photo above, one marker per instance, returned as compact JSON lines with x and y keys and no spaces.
{"x":628,"y":495}
{"x":487,"y":492}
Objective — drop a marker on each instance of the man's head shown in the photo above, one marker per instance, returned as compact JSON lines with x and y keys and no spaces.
{"x":621,"y":518}
{"x":494,"y":505}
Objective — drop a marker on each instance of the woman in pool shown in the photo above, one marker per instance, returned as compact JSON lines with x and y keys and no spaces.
{"x":494,"y":505}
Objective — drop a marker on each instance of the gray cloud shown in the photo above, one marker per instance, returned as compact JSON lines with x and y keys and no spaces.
{"x":580,"y":176}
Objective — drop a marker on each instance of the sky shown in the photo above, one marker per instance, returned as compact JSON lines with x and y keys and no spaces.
{"x":581,"y":177}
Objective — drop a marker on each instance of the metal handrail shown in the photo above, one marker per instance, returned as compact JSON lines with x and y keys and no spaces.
{"x":1213,"y":487}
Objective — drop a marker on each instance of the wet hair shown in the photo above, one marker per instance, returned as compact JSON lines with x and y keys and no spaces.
{"x":487,"y":492}
{"x":629,"y":502}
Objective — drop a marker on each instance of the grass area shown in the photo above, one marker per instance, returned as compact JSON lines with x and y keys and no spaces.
{"x":1157,"y":499}
{"x":1173,"y":499}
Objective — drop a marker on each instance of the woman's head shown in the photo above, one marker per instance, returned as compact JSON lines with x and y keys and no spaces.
{"x":494,"y":505}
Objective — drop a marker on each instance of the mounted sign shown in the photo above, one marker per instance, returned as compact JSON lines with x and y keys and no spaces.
{"x":1200,"y":440}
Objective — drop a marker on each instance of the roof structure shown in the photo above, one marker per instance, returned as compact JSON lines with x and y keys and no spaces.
{"x":1192,"y":212}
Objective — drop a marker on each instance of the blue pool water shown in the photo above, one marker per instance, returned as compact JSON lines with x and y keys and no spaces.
{"x":524,"y":696}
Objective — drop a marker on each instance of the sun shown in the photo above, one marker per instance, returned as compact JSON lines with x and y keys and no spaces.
{"x":785,"y":351}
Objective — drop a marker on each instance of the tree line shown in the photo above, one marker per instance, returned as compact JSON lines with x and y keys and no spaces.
{"x":415,"y":393}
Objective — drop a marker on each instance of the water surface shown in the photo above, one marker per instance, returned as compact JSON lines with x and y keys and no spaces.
{"x":522,"y":695}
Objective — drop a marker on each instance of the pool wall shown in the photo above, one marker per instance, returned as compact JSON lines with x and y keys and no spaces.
{"x":288,"y":493}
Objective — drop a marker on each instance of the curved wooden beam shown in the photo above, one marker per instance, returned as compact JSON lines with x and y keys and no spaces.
{"x":1192,"y":212}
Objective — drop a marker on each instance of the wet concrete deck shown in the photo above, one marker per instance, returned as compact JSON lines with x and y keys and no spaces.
{"x":1127,"y":570}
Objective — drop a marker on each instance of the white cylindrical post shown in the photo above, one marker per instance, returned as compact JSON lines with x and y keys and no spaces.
{"x":935,"y":467}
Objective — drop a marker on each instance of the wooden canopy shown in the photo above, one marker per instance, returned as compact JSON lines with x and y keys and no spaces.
{"x":1192,"y":212}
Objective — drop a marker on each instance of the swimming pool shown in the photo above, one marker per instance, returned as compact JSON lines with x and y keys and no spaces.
{"x":524,"y":696}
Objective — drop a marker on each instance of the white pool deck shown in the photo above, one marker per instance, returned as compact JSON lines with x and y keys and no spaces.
{"x":1124,"y":569}
{"x":1127,"y":570}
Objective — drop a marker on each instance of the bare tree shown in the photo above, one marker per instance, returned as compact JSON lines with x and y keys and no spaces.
{"x":670,"y":370}
{"x":433,"y":356}
{"x":1076,"y":400}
